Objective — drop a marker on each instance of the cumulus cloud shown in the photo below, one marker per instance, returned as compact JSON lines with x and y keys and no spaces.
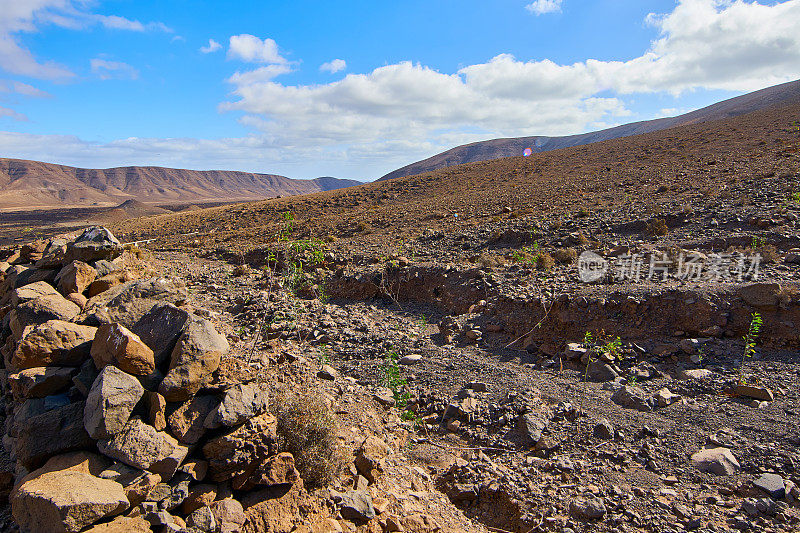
{"x":540,"y":7}
{"x":368,"y":123}
{"x":333,"y":66}
{"x":213,"y":46}
{"x":251,"y":49}
{"x":109,"y":70}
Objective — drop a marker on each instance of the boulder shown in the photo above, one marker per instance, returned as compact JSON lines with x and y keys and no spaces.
{"x":277,"y":471}
{"x":51,"y":433}
{"x":75,"y":277}
{"x":772,"y":484}
{"x":40,"y":381}
{"x":85,"y":377}
{"x":186,"y":422}
{"x":65,"y":501}
{"x":761,"y":294}
{"x":600,"y":371}
{"x":357,"y":505}
{"x":232,"y":453}
{"x":122,"y":524}
{"x":160,"y":329}
{"x":103,"y":283}
{"x":143,"y":447}
{"x":240,"y":403}
{"x":587,"y":508}
{"x":136,"y":483}
{"x":664,"y":397}
{"x":199,"y":495}
{"x":34,"y":407}
{"x":94,"y":243}
{"x":632,"y":398}
{"x":115,"y":344}
{"x":32,"y":291}
{"x":718,"y":461}
{"x":195,"y":357}
{"x":603,"y":430}
{"x":751,"y":391}
{"x":56,"y":343}
{"x":126,"y":304}
{"x":110,"y":402}
{"x":40,"y":310}
{"x":229,"y":515}
{"x":78,"y":299}
{"x":53,"y":254}
{"x":203,"y":520}
{"x":529,"y":427}
{"x":156,"y":410}
{"x":370,"y":457}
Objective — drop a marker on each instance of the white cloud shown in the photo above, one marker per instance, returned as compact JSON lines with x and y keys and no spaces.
{"x":213,"y":46}
{"x":333,"y":66}
{"x":540,"y":7}
{"x":10,"y":113}
{"x":109,"y":70}
{"x":11,"y":86}
{"x":121,"y":23}
{"x":20,"y":16}
{"x":251,"y":49}
{"x":368,"y":123}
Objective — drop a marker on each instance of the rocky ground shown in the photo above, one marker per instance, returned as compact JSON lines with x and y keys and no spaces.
{"x":422,"y":354}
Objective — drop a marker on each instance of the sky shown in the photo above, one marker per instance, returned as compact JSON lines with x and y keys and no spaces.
{"x":355,"y":89}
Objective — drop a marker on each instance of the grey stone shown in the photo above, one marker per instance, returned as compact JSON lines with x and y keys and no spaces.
{"x":142,"y":446}
{"x":587,"y":508}
{"x":196,"y":356}
{"x":529,"y":427}
{"x":718,"y":461}
{"x":94,"y":243}
{"x":160,"y":329}
{"x":604,"y":430}
{"x":357,"y":505}
{"x":110,"y":403}
{"x":51,"y":433}
{"x":239,"y":404}
{"x":772,"y":484}
{"x":632,"y":398}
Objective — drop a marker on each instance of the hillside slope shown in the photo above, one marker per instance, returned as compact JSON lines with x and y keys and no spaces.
{"x":785,"y":93}
{"x":33,"y":184}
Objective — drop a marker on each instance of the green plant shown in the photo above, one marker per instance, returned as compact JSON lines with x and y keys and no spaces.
{"x":599,"y":345}
{"x":396,"y":383}
{"x":750,"y":343}
{"x":757,"y":242}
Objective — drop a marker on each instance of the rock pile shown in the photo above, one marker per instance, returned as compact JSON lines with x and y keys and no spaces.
{"x":111,"y":408}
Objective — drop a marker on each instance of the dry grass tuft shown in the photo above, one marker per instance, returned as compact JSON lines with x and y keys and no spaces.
{"x":307,"y":429}
{"x":565,"y":255}
{"x":656,"y":227}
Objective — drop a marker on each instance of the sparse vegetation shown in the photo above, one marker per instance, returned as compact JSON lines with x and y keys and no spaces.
{"x":656,"y":227}
{"x":750,"y":339}
{"x":307,"y":429}
{"x":565,"y":255}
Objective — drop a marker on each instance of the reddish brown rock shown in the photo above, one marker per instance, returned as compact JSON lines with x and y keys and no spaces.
{"x":186,"y":422}
{"x":65,"y":501}
{"x":75,"y":277}
{"x":115,"y":344}
{"x":54,"y":343}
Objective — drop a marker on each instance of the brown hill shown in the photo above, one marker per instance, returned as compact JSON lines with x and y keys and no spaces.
{"x":33,"y":184}
{"x":497,"y":148}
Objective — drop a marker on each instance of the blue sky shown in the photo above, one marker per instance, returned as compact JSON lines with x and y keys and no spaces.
{"x":356,"y":89}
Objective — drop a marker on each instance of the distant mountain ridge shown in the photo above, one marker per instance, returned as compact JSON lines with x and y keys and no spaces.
{"x":33,"y":184}
{"x":785,"y":93}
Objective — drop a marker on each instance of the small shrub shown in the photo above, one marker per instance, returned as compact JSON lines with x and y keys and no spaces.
{"x":583,"y":212}
{"x":307,"y":429}
{"x":544,"y":261}
{"x":656,"y":227}
{"x":565,"y":255}
{"x":240,"y":270}
{"x":491,"y":260}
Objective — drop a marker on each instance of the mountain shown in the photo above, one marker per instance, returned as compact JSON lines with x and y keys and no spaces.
{"x":497,"y":148}
{"x":33,"y":184}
